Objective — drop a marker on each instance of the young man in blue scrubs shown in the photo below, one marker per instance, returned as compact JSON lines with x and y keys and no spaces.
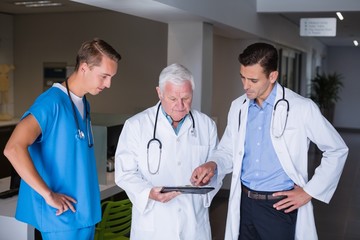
{"x":52,"y":150}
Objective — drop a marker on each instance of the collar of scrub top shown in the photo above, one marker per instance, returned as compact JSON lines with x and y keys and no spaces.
{"x":177,"y":129}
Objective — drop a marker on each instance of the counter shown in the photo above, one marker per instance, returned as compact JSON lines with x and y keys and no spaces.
{"x":9,"y":123}
{"x":11,"y":229}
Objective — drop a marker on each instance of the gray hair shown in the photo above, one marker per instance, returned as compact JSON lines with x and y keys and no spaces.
{"x":176,"y":74}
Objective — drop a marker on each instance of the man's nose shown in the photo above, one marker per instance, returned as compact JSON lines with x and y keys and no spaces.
{"x":107,"y":83}
{"x":180,"y":102}
{"x":246,"y":84}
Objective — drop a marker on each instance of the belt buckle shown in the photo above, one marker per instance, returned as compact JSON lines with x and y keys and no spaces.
{"x":253,"y":195}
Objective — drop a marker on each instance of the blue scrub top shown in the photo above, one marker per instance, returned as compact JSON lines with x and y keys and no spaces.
{"x":65,"y":162}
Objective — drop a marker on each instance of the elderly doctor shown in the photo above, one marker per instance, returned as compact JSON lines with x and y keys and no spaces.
{"x":265,"y":145}
{"x":161,"y":146}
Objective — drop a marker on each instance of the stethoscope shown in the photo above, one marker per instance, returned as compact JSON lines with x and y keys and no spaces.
{"x":80,"y":133}
{"x":156,"y":140}
{"x":276,"y":117}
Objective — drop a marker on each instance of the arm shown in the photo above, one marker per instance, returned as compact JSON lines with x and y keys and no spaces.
{"x":324,"y":182}
{"x":16,"y":150}
{"x":326,"y":177}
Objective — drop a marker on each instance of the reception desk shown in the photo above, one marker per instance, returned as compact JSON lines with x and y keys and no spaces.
{"x":11,"y":229}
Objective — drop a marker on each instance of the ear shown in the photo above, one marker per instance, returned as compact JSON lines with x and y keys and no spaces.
{"x":83,"y":67}
{"x":273,"y":76}
{"x":159,"y":93}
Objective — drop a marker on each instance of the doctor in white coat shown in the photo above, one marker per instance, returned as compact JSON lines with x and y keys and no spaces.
{"x":161,"y":146}
{"x":289,"y":130}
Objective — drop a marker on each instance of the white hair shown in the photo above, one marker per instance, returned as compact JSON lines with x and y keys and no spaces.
{"x":176,"y":74}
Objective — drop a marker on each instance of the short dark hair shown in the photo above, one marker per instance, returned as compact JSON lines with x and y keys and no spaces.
{"x":262,"y":53}
{"x":91,"y":52}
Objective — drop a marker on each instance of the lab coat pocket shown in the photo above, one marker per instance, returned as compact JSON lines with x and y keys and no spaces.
{"x":291,"y":136}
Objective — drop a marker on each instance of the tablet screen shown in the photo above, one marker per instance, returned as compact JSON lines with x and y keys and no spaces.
{"x":188,"y":189}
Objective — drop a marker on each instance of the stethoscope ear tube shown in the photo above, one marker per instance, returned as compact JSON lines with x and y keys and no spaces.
{"x":155,"y":124}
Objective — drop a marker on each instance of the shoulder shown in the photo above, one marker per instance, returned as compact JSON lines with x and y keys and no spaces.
{"x":201,"y":116}
{"x":49,"y":101}
{"x":302,"y":107}
{"x":202,"y":120}
{"x":237,"y":103}
{"x":47,"y":109}
{"x":54,"y":93}
{"x":297,"y":100}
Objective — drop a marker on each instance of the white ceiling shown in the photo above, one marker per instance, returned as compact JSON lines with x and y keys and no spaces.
{"x":347,"y":30}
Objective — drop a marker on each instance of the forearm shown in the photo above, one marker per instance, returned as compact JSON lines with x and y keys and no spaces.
{"x":22,"y":163}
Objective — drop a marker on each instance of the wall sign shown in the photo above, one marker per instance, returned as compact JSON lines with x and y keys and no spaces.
{"x":318,"y":27}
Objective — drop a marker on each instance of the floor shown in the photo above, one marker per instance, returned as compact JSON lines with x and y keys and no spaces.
{"x":338,"y":220}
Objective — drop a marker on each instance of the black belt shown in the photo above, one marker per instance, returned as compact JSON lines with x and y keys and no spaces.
{"x":260,"y":196}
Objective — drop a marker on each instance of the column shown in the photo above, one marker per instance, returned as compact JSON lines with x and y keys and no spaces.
{"x":191,"y":44}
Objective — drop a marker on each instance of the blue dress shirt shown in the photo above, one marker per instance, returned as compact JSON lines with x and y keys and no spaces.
{"x":261,"y":169}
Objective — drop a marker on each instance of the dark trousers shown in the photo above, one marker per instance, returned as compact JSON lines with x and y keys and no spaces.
{"x":260,"y":221}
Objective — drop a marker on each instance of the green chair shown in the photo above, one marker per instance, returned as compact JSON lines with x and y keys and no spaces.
{"x":116,"y":221}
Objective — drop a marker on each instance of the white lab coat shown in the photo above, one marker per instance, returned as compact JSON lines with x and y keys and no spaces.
{"x":305,"y":123}
{"x":186,"y":216}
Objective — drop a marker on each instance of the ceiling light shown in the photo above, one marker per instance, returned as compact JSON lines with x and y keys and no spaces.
{"x":37,"y":3}
{"x":356,"y":43}
{"x":340,"y":16}
{"x":43,"y":5}
{"x":30,"y":2}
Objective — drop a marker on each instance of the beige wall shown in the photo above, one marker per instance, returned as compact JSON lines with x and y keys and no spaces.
{"x":143,"y":45}
{"x":227,"y":83}
{"x":56,"y":38}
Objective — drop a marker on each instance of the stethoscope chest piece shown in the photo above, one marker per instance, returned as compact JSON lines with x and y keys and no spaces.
{"x":80,"y":134}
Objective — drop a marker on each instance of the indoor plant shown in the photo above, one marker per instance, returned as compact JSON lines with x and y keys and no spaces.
{"x":325,"y":90}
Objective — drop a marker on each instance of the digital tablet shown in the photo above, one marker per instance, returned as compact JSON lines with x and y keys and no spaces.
{"x":188,"y":189}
